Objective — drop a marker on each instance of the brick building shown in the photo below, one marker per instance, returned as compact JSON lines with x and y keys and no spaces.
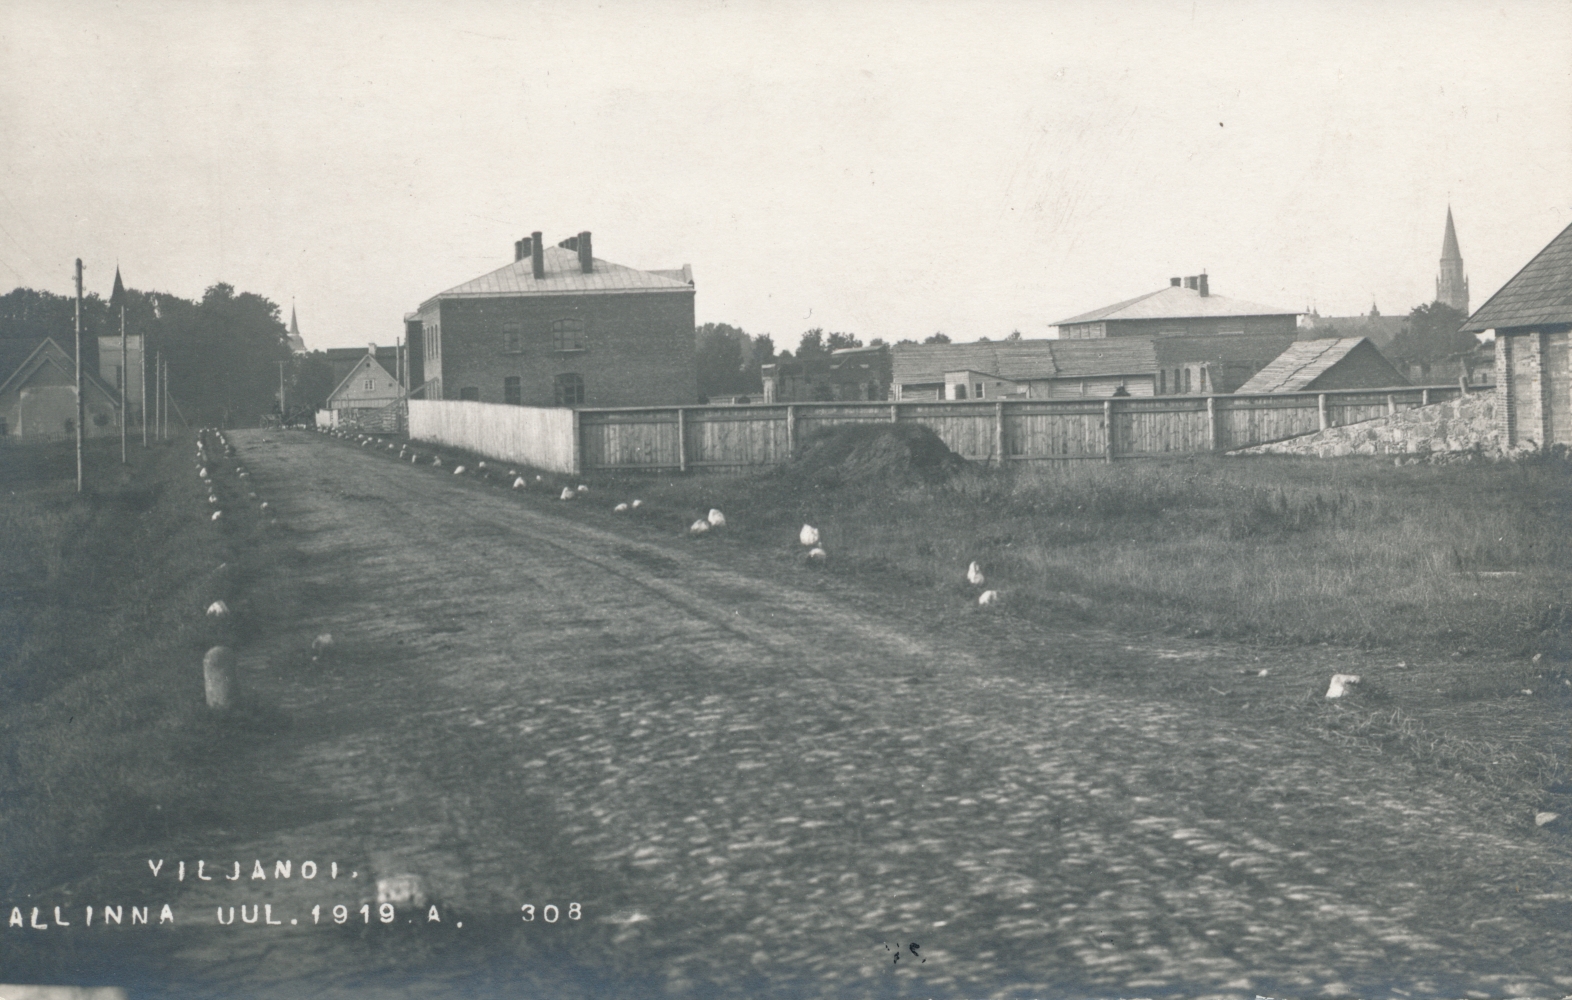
{"x":558,"y":327}
{"x":1186,"y":307}
{"x":1532,"y":319}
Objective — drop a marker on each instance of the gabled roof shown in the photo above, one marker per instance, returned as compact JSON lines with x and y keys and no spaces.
{"x":1176,"y":302}
{"x":1302,"y":364}
{"x":1538,"y":295}
{"x":366,"y":361}
{"x":34,"y":359}
{"x":565,"y":277}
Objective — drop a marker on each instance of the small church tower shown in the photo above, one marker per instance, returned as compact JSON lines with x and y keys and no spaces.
{"x":1451,"y":283}
{"x":296,"y":343}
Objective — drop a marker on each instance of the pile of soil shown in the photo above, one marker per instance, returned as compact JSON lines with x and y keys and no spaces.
{"x":854,"y":453}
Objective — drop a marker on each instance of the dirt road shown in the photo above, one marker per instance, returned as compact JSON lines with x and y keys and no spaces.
{"x":752,"y":779}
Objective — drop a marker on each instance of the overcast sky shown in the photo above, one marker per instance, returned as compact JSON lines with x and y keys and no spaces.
{"x":888,"y":169}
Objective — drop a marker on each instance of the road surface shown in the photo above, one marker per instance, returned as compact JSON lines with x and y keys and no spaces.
{"x":756,"y":779}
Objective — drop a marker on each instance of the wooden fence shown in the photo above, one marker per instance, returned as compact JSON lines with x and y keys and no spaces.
{"x":737,"y":438}
{"x":546,"y":438}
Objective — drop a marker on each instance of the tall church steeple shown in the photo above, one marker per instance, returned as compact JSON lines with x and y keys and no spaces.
{"x":1451,"y":283}
{"x":293,"y":338}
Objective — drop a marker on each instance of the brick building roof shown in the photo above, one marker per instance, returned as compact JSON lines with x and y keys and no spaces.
{"x":1538,"y":295}
{"x":564,"y":276}
{"x":1176,"y":302}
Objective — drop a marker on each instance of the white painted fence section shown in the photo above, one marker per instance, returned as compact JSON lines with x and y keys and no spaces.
{"x":545,"y":438}
{"x":327,"y":419}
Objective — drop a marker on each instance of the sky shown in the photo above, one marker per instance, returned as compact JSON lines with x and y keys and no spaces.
{"x":880,"y":168}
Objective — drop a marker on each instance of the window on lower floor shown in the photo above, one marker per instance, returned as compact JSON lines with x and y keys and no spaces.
{"x":569,"y":390}
{"x":471,"y":393}
{"x":567,"y":335}
{"x":512,"y":391}
{"x":1187,"y":380}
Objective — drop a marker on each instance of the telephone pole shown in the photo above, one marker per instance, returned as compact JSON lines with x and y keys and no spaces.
{"x":281,"y":409}
{"x":79,"y":409}
{"x":125,"y":382}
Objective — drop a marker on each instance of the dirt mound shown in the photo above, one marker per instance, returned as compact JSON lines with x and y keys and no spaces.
{"x":876,"y":453}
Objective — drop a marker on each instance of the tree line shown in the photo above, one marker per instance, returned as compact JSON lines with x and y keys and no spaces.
{"x":223,"y":349}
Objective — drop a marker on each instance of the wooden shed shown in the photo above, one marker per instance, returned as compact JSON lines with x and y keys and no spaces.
{"x":1532,"y":319}
{"x":1319,"y":365}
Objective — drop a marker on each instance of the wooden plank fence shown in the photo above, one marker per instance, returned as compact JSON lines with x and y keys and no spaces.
{"x":738,"y":438}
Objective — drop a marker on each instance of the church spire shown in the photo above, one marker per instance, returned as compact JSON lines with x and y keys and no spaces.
{"x":1451,"y":282}
{"x":296,"y":343}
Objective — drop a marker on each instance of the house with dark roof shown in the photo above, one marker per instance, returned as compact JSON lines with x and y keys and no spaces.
{"x":1024,"y":369}
{"x":1323,"y":365}
{"x":1186,"y":307}
{"x":859,"y":374}
{"x":38,"y":394}
{"x":561,"y":327}
{"x":1532,"y":319}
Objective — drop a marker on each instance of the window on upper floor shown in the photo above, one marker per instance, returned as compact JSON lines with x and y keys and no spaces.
{"x":569,"y":389}
{"x":567,"y":335}
{"x":371,"y":383}
{"x":512,"y":338}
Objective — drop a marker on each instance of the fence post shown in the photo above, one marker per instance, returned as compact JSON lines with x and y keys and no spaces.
{"x":998,"y":431}
{"x":1391,"y":404}
{"x":791,"y":431}
{"x":682,"y":440}
{"x":1211,"y":423}
{"x":895,"y":413}
{"x":1108,"y":430}
{"x":1320,"y":405}
{"x":1424,"y":397}
{"x":578,"y":445}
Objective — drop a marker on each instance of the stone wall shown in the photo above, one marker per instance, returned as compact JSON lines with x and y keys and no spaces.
{"x":1465,"y":424}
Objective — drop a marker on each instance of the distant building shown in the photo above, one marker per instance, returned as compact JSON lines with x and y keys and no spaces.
{"x":1381,"y":330}
{"x":1312,"y":365}
{"x":856,"y":374}
{"x":369,"y":397}
{"x":559,"y":327}
{"x":1024,"y":369}
{"x":1532,"y":319}
{"x":297,"y":345}
{"x":1451,"y":282}
{"x":38,"y":394}
{"x":126,"y":378}
{"x":1186,"y":307}
{"x":343,"y":360}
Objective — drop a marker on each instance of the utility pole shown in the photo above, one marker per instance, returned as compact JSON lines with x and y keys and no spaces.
{"x":79,"y":409}
{"x":141,"y":363}
{"x":158,"y":396}
{"x":125,"y":383}
{"x":281,"y":409}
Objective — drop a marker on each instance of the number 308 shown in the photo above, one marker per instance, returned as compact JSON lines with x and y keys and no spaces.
{"x":550,"y":914}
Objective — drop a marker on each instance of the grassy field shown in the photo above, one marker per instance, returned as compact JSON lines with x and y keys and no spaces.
{"x":102,"y":634}
{"x":1434,"y":559}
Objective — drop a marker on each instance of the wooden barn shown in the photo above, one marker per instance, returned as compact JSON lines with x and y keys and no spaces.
{"x":1532,"y":319}
{"x":38,"y":395}
{"x":1322,"y":365}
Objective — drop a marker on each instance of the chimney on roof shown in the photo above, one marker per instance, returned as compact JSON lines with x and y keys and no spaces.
{"x":1192,"y":282}
{"x":571,"y":243}
{"x":537,"y":252}
{"x":1175,"y":282}
{"x":1202,"y":286}
{"x":520,"y":249}
{"x":586,"y":258}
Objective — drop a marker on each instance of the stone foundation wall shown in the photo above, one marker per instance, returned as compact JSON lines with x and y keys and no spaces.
{"x":1465,"y":424}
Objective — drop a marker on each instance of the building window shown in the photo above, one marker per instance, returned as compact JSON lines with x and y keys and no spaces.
{"x":1187,"y":381}
{"x":567,"y":335}
{"x":471,"y":393}
{"x":512,"y":338}
{"x":371,"y":384}
{"x":1162,"y":382}
{"x":512,"y":391}
{"x":960,"y":391}
{"x":979,"y":393}
{"x":570,"y":390}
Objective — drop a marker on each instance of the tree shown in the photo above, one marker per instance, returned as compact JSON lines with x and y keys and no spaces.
{"x":1432,"y":334}
{"x":841,"y":341}
{"x":1014,"y":335}
{"x":811,"y":345}
{"x":728,"y":360}
{"x":938,"y":338}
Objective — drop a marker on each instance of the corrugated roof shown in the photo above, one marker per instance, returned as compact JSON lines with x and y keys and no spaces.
{"x":563,"y":277}
{"x":1538,"y":295}
{"x":1176,"y":302}
{"x":1018,"y":361}
{"x":1301,"y":364}
{"x":1104,"y":356}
